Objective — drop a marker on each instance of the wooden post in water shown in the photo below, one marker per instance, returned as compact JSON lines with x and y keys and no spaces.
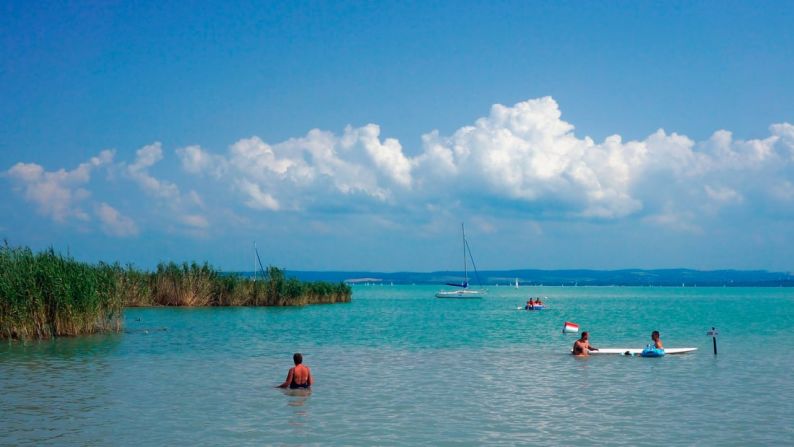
{"x":713,"y":332}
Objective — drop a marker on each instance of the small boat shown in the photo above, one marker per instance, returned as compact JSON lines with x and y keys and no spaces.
{"x":463,"y":292}
{"x":531,"y":306}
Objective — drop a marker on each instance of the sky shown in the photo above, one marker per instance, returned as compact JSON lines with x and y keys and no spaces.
{"x":360,"y":135}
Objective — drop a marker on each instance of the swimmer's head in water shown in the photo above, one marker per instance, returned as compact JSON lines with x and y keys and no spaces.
{"x":585,"y":334}
{"x":297,"y":358}
{"x":654,"y":335}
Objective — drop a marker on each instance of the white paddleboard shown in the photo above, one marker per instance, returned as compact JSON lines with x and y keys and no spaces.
{"x":634,"y":351}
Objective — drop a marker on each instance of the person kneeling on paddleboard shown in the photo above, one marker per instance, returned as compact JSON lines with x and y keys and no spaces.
{"x":299,"y":376}
{"x":582,"y":347}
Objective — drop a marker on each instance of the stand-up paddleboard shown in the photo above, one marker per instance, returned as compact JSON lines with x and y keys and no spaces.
{"x":634,"y":351}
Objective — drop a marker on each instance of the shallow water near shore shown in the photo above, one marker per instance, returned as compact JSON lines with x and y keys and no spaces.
{"x":397,"y":366}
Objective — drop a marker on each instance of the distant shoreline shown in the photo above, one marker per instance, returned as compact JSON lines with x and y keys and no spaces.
{"x":565,"y":278}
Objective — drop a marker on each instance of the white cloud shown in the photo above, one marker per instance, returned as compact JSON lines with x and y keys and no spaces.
{"x":723,"y":195}
{"x":256,"y":198}
{"x":195,"y":160}
{"x":317,"y":168}
{"x":57,"y":194}
{"x":520,"y":162}
{"x":527,"y":154}
{"x":195,"y":199}
{"x":114,"y":223}
{"x":675,"y":220}
{"x":785,"y":133}
{"x":173,"y":205}
{"x":387,"y":157}
{"x":195,"y":221}
{"x":146,"y":157}
{"x":523,"y":157}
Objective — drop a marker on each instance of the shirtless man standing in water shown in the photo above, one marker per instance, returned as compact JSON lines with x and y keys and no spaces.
{"x":299,"y":376}
{"x":582,"y":346}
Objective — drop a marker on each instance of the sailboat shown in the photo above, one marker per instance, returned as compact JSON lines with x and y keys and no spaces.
{"x":516,"y":283}
{"x":463,"y":291}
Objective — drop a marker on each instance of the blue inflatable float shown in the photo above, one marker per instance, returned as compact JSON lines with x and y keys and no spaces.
{"x":651,"y":351}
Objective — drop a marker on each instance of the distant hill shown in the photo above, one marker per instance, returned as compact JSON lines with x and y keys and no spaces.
{"x":628,"y":277}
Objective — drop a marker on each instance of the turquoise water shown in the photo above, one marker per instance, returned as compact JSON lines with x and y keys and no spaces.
{"x":399,"y":367}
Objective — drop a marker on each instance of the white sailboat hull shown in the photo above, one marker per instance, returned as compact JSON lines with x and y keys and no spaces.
{"x":460,"y":294}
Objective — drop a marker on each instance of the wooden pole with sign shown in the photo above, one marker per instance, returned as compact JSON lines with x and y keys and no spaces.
{"x":713,"y":332}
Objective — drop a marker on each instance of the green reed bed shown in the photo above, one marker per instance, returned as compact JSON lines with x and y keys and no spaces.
{"x":44,"y":295}
{"x":201,"y":285}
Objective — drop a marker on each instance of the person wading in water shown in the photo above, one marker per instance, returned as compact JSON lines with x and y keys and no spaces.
{"x":582,"y":346}
{"x":299,"y":376}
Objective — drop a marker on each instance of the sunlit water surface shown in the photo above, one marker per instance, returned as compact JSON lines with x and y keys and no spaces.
{"x":397,"y":366}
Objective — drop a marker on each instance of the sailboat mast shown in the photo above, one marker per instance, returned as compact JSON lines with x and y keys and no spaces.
{"x":465,"y":269}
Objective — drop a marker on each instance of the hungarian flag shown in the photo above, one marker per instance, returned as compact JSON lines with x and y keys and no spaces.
{"x":569,"y":327}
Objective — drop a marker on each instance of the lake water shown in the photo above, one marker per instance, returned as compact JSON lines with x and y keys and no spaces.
{"x":399,"y":367}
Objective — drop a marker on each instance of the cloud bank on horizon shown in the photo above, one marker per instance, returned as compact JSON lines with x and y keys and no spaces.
{"x":521,"y":162}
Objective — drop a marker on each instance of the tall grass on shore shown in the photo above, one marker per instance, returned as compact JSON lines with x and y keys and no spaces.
{"x":44,"y":295}
{"x":201,"y":285}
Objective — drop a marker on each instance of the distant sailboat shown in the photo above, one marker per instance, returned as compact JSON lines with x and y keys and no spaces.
{"x":516,"y":283}
{"x":463,"y":292}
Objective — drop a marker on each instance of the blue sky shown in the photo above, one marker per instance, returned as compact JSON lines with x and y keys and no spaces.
{"x":358,"y":135}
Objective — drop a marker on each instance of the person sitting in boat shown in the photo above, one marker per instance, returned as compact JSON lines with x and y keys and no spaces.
{"x":299,"y":376}
{"x":538,"y":302}
{"x":529,"y":305}
{"x":582,"y":347}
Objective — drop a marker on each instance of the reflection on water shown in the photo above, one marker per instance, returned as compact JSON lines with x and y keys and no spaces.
{"x":299,"y":395}
{"x":399,"y":367}
{"x":298,"y":410}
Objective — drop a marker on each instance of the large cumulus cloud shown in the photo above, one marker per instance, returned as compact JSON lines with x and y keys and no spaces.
{"x":523,"y":161}
{"x":524,"y":157}
{"x":528,"y":154}
{"x":315,"y":170}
